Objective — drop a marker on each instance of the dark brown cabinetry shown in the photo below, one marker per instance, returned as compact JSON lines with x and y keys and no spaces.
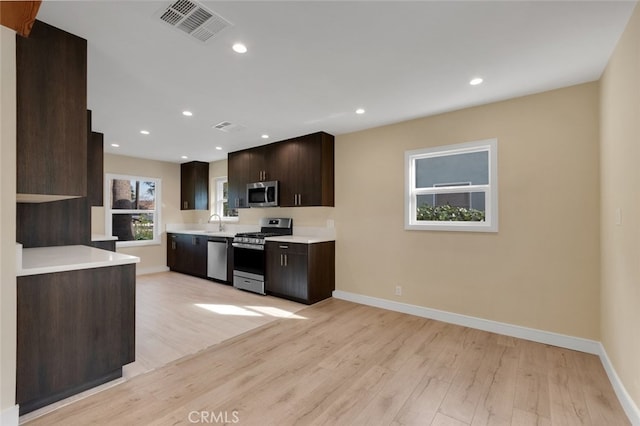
{"x":51,"y":114}
{"x":304,"y":166}
{"x":95,"y":165}
{"x":307,"y":167}
{"x":301,"y":272}
{"x":194,"y":186}
{"x":76,"y":329}
{"x":187,"y":254}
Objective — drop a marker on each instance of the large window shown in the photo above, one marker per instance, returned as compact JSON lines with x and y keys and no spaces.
{"x":452,"y":188}
{"x":132,"y":209}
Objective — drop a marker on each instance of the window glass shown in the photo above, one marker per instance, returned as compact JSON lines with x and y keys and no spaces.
{"x":132,"y":212}
{"x":436,"y":171}
{"x":452,"y":188}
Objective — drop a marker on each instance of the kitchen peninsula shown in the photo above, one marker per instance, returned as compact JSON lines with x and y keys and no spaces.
{"x":76,"y":321}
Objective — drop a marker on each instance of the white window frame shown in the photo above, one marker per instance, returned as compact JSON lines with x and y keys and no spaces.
{"x":490,"y":190}
{"x":108,"y":214}
{"x":219,"y":200}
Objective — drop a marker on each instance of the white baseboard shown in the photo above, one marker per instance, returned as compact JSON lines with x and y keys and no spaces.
{"x":535,"y":335}
{"x":629,"y":406}
{"x":10,"y":416}
{"x":540,"y":336}
{"x":151,"y":270}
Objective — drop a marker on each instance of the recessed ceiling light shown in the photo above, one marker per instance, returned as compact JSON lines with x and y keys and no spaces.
{"x":144,"y":132}
{"x":360,"y":111}
{"x":219,"y":148}
{"x":187,"y":113}
{"x":239,"y":48}
{"x":475,"y":81}
{"x":265,"y":136}
{"x":184,"y":157}
{"x":115,"y":145}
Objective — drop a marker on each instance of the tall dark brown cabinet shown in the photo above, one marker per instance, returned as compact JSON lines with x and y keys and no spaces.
{"x":51,"y":109}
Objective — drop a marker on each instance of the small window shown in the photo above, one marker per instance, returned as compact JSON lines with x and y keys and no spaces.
{"x":132,"y":209}
{"x":222,"y":199}
{"x":452,"y":188}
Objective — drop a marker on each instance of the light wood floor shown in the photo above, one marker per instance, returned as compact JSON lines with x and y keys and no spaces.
{"x":340,"y":363}
{"x":179,"y":315}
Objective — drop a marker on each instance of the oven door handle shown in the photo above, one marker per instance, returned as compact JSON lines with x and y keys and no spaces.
{"x":249,"y":246}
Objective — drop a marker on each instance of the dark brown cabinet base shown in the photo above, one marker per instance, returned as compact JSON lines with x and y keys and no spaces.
{"x":301,"y":272}
{"x":76,"y":329}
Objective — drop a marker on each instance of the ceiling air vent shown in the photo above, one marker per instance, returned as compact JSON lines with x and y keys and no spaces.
{"x":194,"y":19}
{"x":228,"y":127}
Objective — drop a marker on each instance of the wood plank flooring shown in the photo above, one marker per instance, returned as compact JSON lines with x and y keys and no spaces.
{"x":340,"y":363}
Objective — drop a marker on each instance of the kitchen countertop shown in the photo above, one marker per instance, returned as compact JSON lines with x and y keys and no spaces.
{"x":46,"y":260}
{"x":301,"y":239}
{"x":100,"y":237}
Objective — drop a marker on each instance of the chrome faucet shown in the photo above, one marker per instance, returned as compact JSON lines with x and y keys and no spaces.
{"x":220,"y":228}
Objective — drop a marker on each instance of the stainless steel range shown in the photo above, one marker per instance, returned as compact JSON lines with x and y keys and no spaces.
{"x":249,"y":257}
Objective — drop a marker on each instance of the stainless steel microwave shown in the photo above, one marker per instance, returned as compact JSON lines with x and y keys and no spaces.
{"x":263,"y":194}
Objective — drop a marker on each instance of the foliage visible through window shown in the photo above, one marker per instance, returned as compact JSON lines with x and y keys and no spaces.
{"x":452,"y":188}
{"x":133,"y":209}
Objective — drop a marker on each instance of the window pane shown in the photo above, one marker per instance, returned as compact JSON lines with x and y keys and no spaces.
{"x":133,"y":194}
{"x":451,"y":207}
{"x":457,"y":169}
{"x":225,"y":190}
{"x":133,"y":227}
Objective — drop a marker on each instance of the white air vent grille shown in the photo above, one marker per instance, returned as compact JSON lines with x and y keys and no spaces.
{"x":193,"y":19}
{"x":228,"y":127}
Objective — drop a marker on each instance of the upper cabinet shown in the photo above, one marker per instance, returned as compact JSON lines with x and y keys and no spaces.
{"x":303,"y":166}
{"x":95,"y":165}
{"x":307,"y":167}
{"x":194,"y":186}
{"x":51,"y":115}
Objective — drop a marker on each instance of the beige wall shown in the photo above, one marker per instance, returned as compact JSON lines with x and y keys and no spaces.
{"x":152,"y":258}
{"x":7,"y":219}
{"x":620,"y":177}
{"x":541,"y":269}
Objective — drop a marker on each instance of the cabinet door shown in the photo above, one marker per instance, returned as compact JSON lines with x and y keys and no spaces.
{"x":239,"y":172}
{"x":194,"y":186}
{"x":307,"y":171}
{"x":51,"y":94}
{"x":287,"y":271}
{"x":198,"y":255}
{"x":172,"y":247}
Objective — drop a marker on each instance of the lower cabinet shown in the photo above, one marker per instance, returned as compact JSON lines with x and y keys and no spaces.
{"x":76,"y":329}
{"x":300,"y":272}
{"x":187,"y":254}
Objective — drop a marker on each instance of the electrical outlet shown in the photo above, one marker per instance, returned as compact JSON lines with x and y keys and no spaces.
{"x":398,"y":290}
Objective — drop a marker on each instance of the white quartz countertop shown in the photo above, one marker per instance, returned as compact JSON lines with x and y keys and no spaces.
{"x":99,"y":237}
{"x":46,"y":260}
{"x":302,"y":239}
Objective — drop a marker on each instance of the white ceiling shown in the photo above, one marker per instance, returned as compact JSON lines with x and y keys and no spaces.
{"x":310,"y":64}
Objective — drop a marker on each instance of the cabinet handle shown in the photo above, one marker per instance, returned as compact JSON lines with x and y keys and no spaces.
{"x":173,"y":245}
{"x":281,"y":260}
{"x":283,"y":247}
{"x":185,"y":204}
{"x":299,"y":199}
{"x":285,"y":260}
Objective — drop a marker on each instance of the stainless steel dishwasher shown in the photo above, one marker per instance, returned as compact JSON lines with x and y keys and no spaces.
{"x":217,"y":258}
